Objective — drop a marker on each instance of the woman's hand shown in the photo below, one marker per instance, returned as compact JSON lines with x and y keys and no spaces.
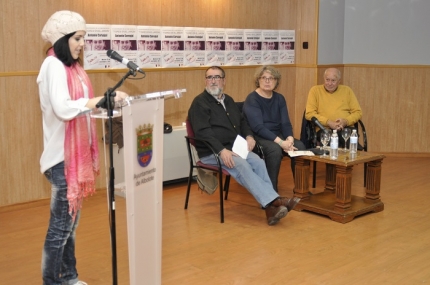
{"x":288,"y":145}
{"x":120,"y":95}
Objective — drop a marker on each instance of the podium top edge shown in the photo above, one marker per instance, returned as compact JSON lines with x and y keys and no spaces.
{"x":177,"y":93}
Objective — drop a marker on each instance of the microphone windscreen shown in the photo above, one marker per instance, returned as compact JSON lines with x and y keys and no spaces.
{"x":114,"y":55}
{"x":318,"y":123}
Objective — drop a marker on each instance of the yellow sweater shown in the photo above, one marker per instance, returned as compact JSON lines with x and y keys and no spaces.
{"x":340,"y":104}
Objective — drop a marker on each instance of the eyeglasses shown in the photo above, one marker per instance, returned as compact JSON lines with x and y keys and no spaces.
{"x":268,"y":78}
{"x":214,"y":77}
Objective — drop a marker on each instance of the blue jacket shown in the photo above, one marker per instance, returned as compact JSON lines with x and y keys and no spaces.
{"x":268,"y":118}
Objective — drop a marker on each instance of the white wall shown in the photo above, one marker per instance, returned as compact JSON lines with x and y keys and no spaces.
{"x":330,"y":31}
{"x":375,"y":32}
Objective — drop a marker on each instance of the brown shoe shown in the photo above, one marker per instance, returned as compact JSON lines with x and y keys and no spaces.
{"x":274,"y":213}
{"x":290,"y":203}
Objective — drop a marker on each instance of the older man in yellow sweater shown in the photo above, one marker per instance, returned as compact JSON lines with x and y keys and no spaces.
{"x":334,"y":105}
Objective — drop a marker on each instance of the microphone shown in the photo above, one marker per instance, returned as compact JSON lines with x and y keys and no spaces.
{"x":114,"y":55}
{"x":318,"y":123}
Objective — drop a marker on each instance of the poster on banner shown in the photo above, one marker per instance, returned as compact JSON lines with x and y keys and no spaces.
{"x":194,"y":49}
{"x":234,"y":47}
{"x":97,"y":42}
{"x":148,"y":46}
{"x":123,"y":41}
{"x":286,"y":46}
{"x":253,"y":41}
{"x":215,"y":47}
{"x":269,"y":46}
{"x":172,"y":46}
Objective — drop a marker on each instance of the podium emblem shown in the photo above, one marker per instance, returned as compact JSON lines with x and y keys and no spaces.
{"x":144,"y":144}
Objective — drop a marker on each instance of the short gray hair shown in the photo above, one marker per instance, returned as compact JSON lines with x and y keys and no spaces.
{"x":337,"y":71}
{"x":275,"y":73}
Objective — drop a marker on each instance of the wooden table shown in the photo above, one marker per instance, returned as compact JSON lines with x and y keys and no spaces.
{"x":336,"y":201}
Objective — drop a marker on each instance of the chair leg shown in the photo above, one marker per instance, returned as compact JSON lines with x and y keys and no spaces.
{"x":190,"y":177}
{"x":221,"y":200}
{"x":226,"y":186}
{"x":314,"y":175}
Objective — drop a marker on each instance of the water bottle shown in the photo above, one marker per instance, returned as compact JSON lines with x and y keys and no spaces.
{"x":353,"y":142}
{"x":334,"y":145}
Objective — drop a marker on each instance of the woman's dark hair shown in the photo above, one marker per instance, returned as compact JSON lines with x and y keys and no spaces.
{"x":62,"y":50}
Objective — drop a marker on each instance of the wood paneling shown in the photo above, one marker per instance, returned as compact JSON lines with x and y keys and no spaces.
{"x":395,"y":99}
{"x":21,"y":141}
{"x":22,"y":21}
{"x":20,"y":36}
{"x":307,"y":20}
{"x":305,"y":79}
{"x":22,"y":51}
{"x":396,"y":106}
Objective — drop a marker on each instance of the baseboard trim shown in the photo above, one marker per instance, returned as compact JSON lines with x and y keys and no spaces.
{"x":405,"y":154}
{"x":30,"y":204}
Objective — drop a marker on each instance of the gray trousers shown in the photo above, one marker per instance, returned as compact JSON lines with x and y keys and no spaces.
{"x":274,"y":154}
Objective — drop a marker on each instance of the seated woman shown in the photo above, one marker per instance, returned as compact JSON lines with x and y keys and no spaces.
{"x":267,"y":115}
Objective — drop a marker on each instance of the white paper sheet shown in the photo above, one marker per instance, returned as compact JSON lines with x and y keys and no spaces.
{"x":300,"y":152}
{"x":240,"y":147}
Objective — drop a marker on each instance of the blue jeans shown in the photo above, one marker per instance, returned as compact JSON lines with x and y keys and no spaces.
{"x":58,"y":257}
{"x":251,"y":174}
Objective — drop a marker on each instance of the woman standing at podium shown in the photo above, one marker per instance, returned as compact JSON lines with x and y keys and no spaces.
{"x":70,"y":159}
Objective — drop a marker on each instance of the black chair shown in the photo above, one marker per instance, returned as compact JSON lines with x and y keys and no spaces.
{"x":195,"y":163}
{"x":240,"y":106}
{"x":362,"y":143}
{"x":309,"y":137}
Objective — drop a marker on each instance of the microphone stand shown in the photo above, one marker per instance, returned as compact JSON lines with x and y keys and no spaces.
{"x":108,"y":103}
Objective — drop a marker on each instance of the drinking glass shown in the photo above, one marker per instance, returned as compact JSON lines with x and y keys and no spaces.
{"x":346,"y":133}
{"x":325,"y":139}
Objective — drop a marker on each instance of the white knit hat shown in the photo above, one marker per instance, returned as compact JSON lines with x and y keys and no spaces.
{"x":62,"y":23}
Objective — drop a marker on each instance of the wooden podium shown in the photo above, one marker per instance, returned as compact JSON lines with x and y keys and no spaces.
{"x":336,"y":201}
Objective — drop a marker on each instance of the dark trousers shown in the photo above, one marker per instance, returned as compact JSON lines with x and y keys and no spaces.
{"x":273,"y":155}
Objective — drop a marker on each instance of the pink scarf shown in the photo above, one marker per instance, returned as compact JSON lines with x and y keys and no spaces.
{"x":81,"y":158}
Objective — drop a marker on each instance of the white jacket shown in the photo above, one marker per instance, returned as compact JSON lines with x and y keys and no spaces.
{"x":57,"y":108}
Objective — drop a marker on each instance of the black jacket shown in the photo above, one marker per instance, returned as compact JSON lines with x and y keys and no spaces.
{"x":212,"y":123}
